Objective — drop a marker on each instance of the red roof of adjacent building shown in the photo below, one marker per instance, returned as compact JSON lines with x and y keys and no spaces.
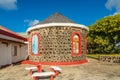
{"x":7,"y":32}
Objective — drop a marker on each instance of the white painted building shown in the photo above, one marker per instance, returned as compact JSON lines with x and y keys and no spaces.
{"x":12,"y":47}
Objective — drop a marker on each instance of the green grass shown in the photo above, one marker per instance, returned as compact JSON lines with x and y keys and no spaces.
{"x":95,"y":56}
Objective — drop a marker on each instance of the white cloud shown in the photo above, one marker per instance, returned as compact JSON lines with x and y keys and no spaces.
{"x":113,"y":4}
{"x":31,"y":22}
{"x":8,"y":4}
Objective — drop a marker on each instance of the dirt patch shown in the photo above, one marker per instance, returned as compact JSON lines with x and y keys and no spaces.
{"x":93,"y":70}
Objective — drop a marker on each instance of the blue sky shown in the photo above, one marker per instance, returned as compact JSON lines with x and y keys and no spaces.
{"x":19,"y":15}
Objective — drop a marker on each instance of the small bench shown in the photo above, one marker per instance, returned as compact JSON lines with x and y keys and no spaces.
{"x":31,"y":69}
{"x":55,"y":69}
{"x":43,"y":74}
{"x":38,"y":68}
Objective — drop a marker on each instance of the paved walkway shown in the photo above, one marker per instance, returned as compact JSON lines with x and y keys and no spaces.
{"x":93,"y":70}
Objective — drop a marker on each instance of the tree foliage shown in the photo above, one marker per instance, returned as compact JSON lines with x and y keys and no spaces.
{"x":104,"y":35}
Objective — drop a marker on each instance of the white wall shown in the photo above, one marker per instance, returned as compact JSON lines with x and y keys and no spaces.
{"x":5,"y":55}
{"x":21,"y":52}
{"x":24,"y":52}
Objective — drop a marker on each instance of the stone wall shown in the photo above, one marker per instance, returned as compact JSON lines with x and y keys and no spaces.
{"x":56,"y":44}
{"x":112,"y":59}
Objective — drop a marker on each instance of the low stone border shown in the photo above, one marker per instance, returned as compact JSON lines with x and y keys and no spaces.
{"x":112,"y":59}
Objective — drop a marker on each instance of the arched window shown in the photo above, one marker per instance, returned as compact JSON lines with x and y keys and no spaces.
{"x":35,"y":44}
{"x":76,"y":44}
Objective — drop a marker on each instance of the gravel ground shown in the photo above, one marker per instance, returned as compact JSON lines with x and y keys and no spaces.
{"x":93,"y":70}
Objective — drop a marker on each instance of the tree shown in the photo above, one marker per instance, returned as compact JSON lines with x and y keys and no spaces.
{"x":104,"y":34}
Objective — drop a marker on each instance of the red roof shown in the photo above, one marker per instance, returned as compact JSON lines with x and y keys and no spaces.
{"x":7,"y":32}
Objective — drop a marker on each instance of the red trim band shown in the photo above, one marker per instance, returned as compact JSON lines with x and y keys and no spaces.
{"x":12,"y":35}
{"x":55,"y":63}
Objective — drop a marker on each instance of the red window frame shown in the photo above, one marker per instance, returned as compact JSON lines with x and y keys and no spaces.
{"x":86,"y":42}
{"x":35,"y":33}
{"x":80,"y":44}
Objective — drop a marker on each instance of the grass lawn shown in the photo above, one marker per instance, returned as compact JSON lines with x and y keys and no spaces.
{"x":95,"y":56}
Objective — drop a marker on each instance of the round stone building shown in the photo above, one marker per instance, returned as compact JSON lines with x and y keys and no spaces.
{"x":57,"y":41}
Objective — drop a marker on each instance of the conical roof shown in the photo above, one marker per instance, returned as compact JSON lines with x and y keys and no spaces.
{"x":56,"y":18}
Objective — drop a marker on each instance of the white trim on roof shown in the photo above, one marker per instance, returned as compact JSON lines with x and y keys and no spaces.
{"x":57,"y":24}
{"x":26,"y":42}
{"x":10,"y":38}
